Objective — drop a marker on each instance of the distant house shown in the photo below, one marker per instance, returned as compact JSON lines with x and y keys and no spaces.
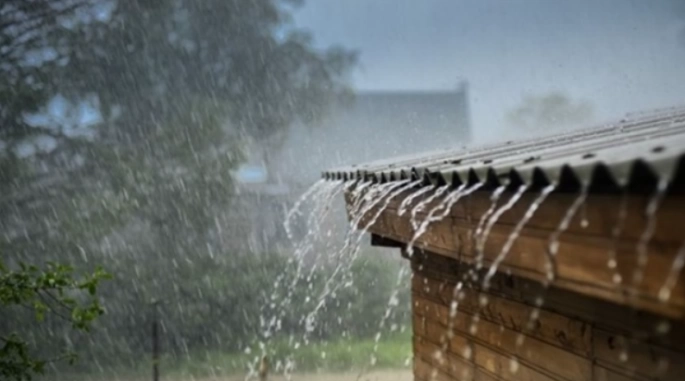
{"x":374,"y":125}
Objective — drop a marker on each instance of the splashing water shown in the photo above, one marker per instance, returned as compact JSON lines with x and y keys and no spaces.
{"x":375,"y":197}
{"x":516,"y":232}
{"x":371,"y":198}
{"x":357,"y":196}
{"x":446,"y":207}
{"x":350,"y":250}
{"x":495,"y":217}
{"x":393,"y":301}
{"x":408,"y":200}
{"x":423,"y":203}
{"x":381,"y":191}
{"x":391,"y":197}
{"x":322,"y":196}
{"x":420,"y":228}
{"x":673,"y":275}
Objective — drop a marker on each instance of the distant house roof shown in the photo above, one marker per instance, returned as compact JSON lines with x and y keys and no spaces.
{"x":636,"y":151}
{"x":377,"y":124}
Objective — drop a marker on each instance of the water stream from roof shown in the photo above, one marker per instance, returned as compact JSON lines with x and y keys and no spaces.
{"x":645,"y":238}
{"x":553,"y":245}
{"x":295,"y":210}
{"x":477,"y":235}
{"x":320,"y":196}
{"x":423,"y":203}
{"x":391,"y":197}
{"x":642,"y":251}
{"x":367,"y":202}
{"x":492,"y":220}
{"x":404,"y":205}
{"x":320,"y":211}
{"x":551,"y":264}
{"x":346,"y":256}
{"x":616,"y":231}
{"x":673,"y":275}
{"x":534,"y":205}
{"x":483,"y":300}
{"x":446,"y":207}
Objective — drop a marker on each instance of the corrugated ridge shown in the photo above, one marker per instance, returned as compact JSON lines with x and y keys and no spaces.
{"x":634,"y":151}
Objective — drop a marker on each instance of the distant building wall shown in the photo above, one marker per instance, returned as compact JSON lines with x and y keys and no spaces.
{"x":375,"y":125}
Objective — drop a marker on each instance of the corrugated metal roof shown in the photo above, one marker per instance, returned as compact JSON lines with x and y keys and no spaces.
{"x":635,"y":152}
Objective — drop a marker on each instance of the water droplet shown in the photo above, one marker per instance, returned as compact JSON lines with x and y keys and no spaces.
{"x":514,"y":365}
{"x":673,"y":275}
{"x":535,"y":314}
{"x":663,"y":327}
{"x":520,"y":339}
{"x":539,"y":301}
{"x":517,"y":229}
{"x":623,"y":356}
{"x":664,"y":294}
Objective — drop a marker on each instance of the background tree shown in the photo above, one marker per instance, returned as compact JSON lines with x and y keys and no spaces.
{"x":51,"y":294}
{"x":172,"y":88}
{"x":550,"y":111}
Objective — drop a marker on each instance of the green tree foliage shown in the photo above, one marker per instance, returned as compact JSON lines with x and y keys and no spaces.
{"x":550,"y":111}
{"x":154,"y":56}
{"x":146,"y":192}
{"x":51,"y":293}
{"x":29,"y":58}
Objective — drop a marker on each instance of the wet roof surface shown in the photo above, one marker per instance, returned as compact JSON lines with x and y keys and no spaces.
{"x":636,"y":153}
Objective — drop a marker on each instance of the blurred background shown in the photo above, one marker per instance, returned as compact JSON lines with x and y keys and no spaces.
{"x":165,"y":141}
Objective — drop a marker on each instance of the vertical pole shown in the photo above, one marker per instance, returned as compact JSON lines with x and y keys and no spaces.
{"x":155,"y":343}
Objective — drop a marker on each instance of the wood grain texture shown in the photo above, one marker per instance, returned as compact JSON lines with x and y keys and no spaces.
{"x":584,"y":252}
{"x":559,"y":346}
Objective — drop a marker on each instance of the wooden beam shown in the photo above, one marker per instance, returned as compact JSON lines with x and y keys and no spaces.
{"x":611,"y":345}
{"x":584,"y":252}
{"x":377,"y":240}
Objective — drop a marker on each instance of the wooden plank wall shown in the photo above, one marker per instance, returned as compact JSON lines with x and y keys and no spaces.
{"x":491,"y":337}
{"x":583,"y":251}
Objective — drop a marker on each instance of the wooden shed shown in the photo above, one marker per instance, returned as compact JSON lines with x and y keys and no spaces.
{"x":557,"y":258}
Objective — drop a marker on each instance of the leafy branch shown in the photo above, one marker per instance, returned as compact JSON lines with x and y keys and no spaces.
{"x":52,"y":291}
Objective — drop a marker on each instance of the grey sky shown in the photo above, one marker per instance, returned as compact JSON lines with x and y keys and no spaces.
{"x":622,"y":55}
